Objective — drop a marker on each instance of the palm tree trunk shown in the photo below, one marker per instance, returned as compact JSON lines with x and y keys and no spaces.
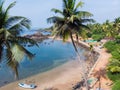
{"x":81,"y":62}
{"x":99,"y":83}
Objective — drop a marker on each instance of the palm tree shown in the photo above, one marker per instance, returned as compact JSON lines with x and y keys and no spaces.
{"x":70,"y":23}
{"x":116,"y":25}
{"x":109,"y":29}
{"x":10,"y":40}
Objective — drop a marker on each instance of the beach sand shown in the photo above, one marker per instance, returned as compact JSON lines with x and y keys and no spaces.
{"x":62,"y":77}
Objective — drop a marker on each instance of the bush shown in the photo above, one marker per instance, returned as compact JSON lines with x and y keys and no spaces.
{"x":116,"y":85}
{"x":116,"y":54}
{"x":113,"y":76}
{"x":117,"y":39}
{"x":110,"y":46}
{"x":97,"y":37}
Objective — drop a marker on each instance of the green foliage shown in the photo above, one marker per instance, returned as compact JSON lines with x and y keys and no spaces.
{"x":117,"y":38}
{"x":116,"y":54}
{"x":114,"y":66}
{"x":97,"y":37}
{"x":113,"y":76}
{"x":72,"y":22}
{"x":116,"y":85}
{"x":110,"y":46}
{"x":10,"y":28}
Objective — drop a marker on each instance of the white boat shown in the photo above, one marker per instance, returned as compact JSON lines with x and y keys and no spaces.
{"x":31,"y":86}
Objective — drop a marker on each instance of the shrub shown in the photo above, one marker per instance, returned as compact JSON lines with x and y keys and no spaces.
{"x":113,"y":76}
{"x":116,"y":85}
{"x":110,"y":46}
{"x":97,"y":37}
{"x":117,"y":39}
{"x":116,"y":54}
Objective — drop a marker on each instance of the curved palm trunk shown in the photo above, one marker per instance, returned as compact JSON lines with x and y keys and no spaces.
{"x":81,"y":62}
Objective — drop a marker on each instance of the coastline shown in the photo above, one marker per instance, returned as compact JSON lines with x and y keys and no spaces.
{"x":66,"y":74}
{"x":63,"y":77}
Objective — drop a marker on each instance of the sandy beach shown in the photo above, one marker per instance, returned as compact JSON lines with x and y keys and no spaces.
{"x":63,"y":77}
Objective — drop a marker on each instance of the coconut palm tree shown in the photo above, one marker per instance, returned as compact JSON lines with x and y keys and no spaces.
{"x":116,"y":25}
{"x":71,"y":22}
{"x":10,"y":40}
{"x":109,"y":29}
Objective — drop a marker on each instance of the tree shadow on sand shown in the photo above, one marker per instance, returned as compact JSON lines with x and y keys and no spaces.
{"x":100,"y":74}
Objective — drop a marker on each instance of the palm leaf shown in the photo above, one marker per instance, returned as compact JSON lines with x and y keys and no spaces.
{"x":1,"y":51}
{"x":6,"y":11}
{"x":25,"y":23}
{"x":65,"y":5}
{"x":19,"y":52}
{"x":11,"y":21}
{"x":55,"y":19}
{"x":23,"y":40}
{"x":16,"y":29}
{"x":1,"y":5}
{"x":17,"y":22}
{"x":57,"y":11}
{"x":84,"y":14}
{"x":80,"y":4}
{"x":87,"y":20}
{"x":14,"y":66}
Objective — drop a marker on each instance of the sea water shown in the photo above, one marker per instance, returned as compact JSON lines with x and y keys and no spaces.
{"x":48,"y":55}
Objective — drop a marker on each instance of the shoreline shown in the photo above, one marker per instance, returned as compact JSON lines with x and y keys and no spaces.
{"x":57,"y":77}
{"x":63,"y":77}
{"x":68,"y":72}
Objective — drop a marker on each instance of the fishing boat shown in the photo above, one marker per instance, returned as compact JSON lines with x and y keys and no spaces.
{"x":24,"y":85}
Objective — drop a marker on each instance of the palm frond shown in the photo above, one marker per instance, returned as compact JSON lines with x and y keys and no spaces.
{"x":17,"y":21}
{"x":1,"y":5}
{"x":87,"y":20}
{"x":84,"y":27}
{"x":16,"y":29}
{"x":84,"y":14}
{"x":23,"y":40}
{"x":7,"y":34}
{"x":19,"y":52}
{"x":11,"y":62}
{"x":1,"y":51}
{"x":80,"y":4}
{"x":14,"y":66}
{"x":54,"y":19}
{"x":26,"y":23}
{"x":8,"y":8}
{"x":57,"y":11}
{"x":12,"y":21}
{"x":65,"y":5}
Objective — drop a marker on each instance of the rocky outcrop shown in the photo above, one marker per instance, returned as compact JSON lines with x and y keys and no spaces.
{"x":38,"y":36}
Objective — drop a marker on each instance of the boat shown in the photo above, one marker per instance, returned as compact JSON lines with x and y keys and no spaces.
{"x":24,"y":85}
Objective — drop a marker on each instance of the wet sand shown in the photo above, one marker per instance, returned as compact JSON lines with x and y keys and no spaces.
{"x":65,"y":76}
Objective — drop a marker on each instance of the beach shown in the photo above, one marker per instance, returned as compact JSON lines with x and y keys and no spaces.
{"x":63,"y":77}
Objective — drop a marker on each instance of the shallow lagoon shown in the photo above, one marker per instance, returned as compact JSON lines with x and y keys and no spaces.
{"x":47,"y":56}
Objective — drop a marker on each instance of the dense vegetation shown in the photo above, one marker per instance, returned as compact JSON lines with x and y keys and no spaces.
{"x":116,"y":86}
{"x":113,"y":47}
{"x":111,"y":32}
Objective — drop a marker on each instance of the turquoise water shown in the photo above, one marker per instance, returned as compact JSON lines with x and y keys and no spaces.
{"x":47,"y":56}
{"x":90,"y":41}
